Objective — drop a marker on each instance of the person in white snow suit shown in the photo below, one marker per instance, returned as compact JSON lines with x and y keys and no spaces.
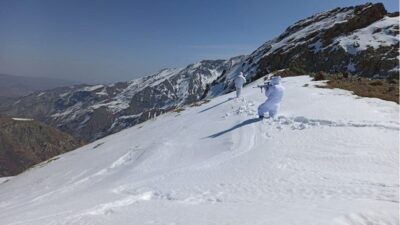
{"x":274,"y":92}
{"x":239,"y":81}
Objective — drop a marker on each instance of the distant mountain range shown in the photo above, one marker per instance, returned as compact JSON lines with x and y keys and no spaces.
{"x":91,"y":112}
{"x":16,"y":86}
{"x":361,"y":40}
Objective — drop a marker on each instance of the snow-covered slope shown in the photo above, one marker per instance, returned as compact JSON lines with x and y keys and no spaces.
{"x":330,"y":158}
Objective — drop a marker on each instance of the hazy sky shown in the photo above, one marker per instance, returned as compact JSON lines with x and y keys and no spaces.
{"x":99,"y":41}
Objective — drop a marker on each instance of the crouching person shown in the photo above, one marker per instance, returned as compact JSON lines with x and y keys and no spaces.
{"x":274,"y":92}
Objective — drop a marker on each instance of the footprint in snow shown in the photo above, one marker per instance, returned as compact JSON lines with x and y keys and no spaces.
{"x":301,"y":123}
{"x":110,"y":207}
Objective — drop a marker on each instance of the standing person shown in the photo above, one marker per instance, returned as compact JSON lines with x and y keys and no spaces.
{"x":274,"y":93}
{"x":239,"y":81}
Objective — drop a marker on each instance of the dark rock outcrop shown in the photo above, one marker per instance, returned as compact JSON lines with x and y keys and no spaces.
{"x":336,"y":47}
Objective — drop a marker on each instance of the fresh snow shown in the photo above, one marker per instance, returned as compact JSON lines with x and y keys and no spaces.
{"x":330,"y":158}
{"x":214,"y":75}
{"x":71,"y":112}
{"x":64,"y":94}
{"x":122,"y":100}
{"x":130,"y":116}
{"x":21,"y":119}
{"x":162,"y":76}
{"x":380,"y":33}
{"x":299,"y":37}
{"x":92,"y":88}
{"x":4,"y":179}
{"x":295,"y":35}
{"x":102,"y":92}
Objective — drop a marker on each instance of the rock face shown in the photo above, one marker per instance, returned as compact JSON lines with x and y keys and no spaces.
{"x":24,"y":143}
{"x":361,"y":40}
{"x":92,"y":112}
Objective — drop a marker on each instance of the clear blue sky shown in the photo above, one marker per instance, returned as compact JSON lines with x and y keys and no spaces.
{"x":112,"y":40}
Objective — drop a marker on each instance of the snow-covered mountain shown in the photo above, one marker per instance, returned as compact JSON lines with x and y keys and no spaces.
{"x":94,"y":111}
{"x":361,"y":40}
{"x":330,"y":158}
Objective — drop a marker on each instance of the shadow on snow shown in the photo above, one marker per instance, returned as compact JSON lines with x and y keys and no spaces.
{"x":242,"y":124}
{"x":211,"y":107}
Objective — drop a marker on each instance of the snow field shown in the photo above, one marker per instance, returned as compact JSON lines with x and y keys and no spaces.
{"x":329,"y":158}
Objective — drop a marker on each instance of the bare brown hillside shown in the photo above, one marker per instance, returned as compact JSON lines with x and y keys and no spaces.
{"x":26,"y":143}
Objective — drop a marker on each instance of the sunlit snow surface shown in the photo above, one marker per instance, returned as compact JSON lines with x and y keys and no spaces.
{"x":21,"y":119}
{"x":330,"y":158}
{"x":381,"y":33}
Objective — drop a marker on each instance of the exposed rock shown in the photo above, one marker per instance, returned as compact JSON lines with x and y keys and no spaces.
{"x":361,"y":40}
{"x":24,"y":143}
{"x":325,"y":51}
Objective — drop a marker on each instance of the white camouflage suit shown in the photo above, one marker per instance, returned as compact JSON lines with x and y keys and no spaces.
{"x":239,"y":82}
{"x":274,"y":93}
